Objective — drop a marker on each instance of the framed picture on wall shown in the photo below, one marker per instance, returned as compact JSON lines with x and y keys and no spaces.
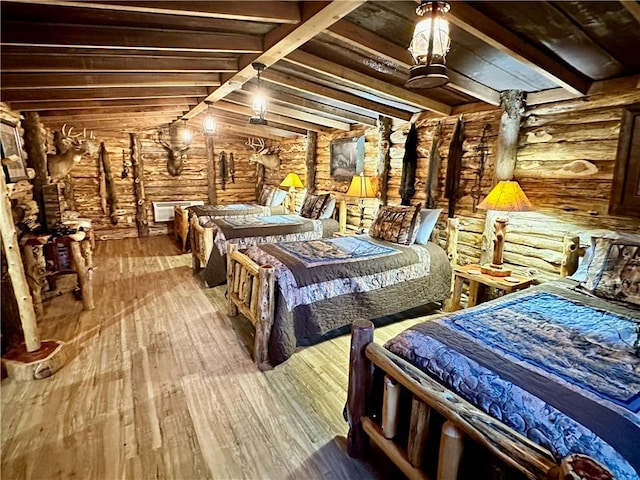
{"x":11,"y":153}
{"x":347,"y":157}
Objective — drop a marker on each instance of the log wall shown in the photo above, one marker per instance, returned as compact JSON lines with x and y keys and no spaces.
{"x":565,"y":160}
{"x":191,"y":184}
{"x":338,"y":187}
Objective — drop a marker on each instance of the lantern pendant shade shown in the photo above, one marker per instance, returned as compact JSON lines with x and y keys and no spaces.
{"x":186,"y":134}
{"x":209,"y":125}
{"x":259,"y":104}
{"x":429,"y":47}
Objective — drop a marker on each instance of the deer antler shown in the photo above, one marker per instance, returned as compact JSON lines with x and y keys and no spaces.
{"x":254,"y":142}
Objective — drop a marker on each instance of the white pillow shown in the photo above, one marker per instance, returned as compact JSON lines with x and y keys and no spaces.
{"x":327,"y":212}
{"x":581,"y":272}
{"x":300,"y":197}
{"x":278,"y":198}
{"x":428,"y":220}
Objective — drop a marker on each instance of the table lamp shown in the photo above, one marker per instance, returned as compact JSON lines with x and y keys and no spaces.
{"x":361,"y":187}
{"x":292,"y":181}
{"x":506,"y":196}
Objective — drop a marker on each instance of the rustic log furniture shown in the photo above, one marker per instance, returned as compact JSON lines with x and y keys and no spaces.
{"x":252,"y":290}
{"x":478,"y":283}
{"x":80,"y":245}
{"x":429,"y":398}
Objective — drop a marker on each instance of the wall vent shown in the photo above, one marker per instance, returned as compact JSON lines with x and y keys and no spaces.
{"x":163,"y":211}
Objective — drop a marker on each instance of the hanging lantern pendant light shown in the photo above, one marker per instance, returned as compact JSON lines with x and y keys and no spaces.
{"x":209,"y":126}
{"x":429,"y":47}
{"x":259,"y":105}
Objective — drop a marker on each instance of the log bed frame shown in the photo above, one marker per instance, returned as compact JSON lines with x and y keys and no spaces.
{"x":462,"y":419}
{"x":181,"y":225}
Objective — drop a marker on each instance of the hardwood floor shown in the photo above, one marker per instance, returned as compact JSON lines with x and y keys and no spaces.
{"x":162,"y":386}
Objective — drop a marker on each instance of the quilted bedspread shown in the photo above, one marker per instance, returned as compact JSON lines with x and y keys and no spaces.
{"x":318,"y":295}
{"x":555,"y":365}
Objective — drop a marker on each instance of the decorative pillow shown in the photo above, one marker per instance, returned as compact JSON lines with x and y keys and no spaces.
{"x":395,"y":224}
{"x":328,"y":209}
{"x":614,"y":270}
{"x":278,"y":198}
{"x":313,"y":206}
{"x":428,"y":220}
{"x":266,"y":195}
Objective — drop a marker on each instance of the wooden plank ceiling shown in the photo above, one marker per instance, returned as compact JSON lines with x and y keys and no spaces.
{"x":133,"y":65}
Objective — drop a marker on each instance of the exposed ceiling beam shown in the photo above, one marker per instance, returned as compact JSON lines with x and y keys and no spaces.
{"x":368,"y":41}
{"x":129,"y":103}
{"x":633,"y":7}
{"x":316,"y":16}
{"x":230,"y":118}
{"x":110,"y":115}
{"x":463,"y":15}
{"x":170,"y":109}
{"x":622,"y":84}
{"x":84,"y":36}
{"x":15,"y":62}
{"x":311,"y":106}
{"x":233,"y":107}
{"x":263,"y":11}
{"x":365,"y":82}
{"x":347,"y":99}
{"x":243,"y":98}
{"x":16,"y":81}
{"x":101,"y":93}
{"x":254,"y":131}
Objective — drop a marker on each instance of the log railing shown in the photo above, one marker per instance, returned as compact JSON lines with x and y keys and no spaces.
{"x":201,"y":243}
{"x":251,"y":291}
{"x":462,"y":420}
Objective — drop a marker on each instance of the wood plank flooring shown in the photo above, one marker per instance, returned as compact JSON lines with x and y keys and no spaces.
{"x":162,"y":386}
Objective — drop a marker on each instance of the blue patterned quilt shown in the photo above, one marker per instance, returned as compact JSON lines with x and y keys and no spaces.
{"x":558,"y":369}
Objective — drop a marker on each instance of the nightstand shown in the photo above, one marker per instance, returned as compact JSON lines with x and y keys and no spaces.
{"x":478,"y":283}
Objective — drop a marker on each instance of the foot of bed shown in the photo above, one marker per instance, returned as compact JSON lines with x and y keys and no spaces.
{"x":360,"y":376}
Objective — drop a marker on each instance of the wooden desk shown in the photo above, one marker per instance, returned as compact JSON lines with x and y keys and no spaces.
{"x":478,"y":282}
{"x":81,"y":250}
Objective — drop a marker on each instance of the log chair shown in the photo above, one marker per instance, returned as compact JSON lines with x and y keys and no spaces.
{"x":462,"y":420}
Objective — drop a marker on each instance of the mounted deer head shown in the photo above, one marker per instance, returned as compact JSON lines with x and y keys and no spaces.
{"x":261,"y":154}
{"x":75,"y":146}
{"x":175,"y":162}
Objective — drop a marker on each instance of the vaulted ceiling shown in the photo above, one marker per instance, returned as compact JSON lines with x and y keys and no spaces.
{"x":133,"y":65}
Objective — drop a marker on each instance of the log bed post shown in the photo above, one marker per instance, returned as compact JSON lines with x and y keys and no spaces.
{"x":265,"y":320}
{"x":360,"y":376}
{"x":232,"y":309}
{"x":570,"y":254}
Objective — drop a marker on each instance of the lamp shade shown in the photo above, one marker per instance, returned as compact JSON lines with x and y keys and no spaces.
{"x":292,"y":180}
{"x":361,"y":187}
{"x":506,"y":196}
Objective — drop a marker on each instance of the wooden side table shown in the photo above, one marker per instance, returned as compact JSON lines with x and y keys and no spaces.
{"x":81,"y":250}
{"x":478,"y":283}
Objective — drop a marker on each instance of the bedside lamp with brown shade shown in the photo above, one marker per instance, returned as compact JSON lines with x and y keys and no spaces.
{"x":506,"y":196}
{"x":292,"y":181}
{"x":361,"y":188}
